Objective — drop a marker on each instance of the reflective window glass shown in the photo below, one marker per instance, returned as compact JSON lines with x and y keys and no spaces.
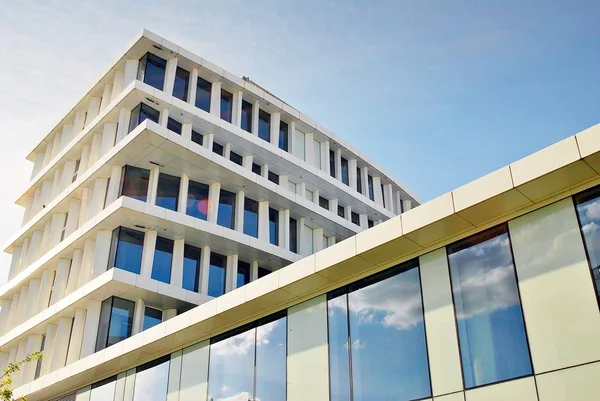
{"x":588,"y":211}
{"x":283,"y":136}
{"x":197,"y":202}
{"x":371,"y":188}
{"x":271,"y":340}
{"x":246,"y":122}
{"x":345,"y":176}
{"x":264,"y":125}
{"x":141,"y":113}
{"x":243,"y":274}
{"x":355,"y":218}
{"x":274,"y":178}
{"x":127,"y":250}
{"x":226,"y":211}
{"x":116,"y":320}
{"x":197,"y":138}
{"x":216,"y":275}
{"x":341,"y":211}
{"x":104,"y":390}
{"x":256,"y":168}
{"x":332,"y":163}
{"x":293,"y":235}
{"x":339,"y":356}
{"x":273,"y":226}
{"x":152,"y":317}
{"x":324,"y":203}
{"x":167,"y":193}
{"x":251,"y":217}
{"x":191,"y":267}
{"x":163,"y":258}
{"x":217,"y":148}
{"x":489,"y":319}
{"x":151,"y":380}
{"x":135,"y":183}
{"x":226,"y":105}
{"x":151,"y":70}
{"x":358,"y":181}
{"x":180,"y":87}
{"x":203,"y":89}
{"x":236,"y":158}
{"x":174,"y":125}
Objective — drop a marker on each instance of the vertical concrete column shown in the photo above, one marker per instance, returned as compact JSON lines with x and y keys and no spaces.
{"x":292,"y":145}
{"x":34,"y":247}
{"x":56,"y":226}
{"x":67,"y":175}
{"x":36,"y":206}
{"x":106,"y":96}
{"x":120,"y":387}
{"x":331,"y":241}
{"x":101,"y":252}
{"x":325,"y":157}
{"x":284,"y":229}
{"x":34,"y":343}
{"x":247,"y":162}
{"x":255,"y":113}
{"x":79,"y":122}
{"x":364,"y":221}
{"x":264,"y":171}
{"x":38,"y":164}
{"x":348,"y":212}
{"x":214,"y":191}
{"x":21,"y":354}
{"x":208,"y":140}
{"x":46,"y":284}
{"x":131,"y":70}
{"x":204,"y":268}
{"x":236,"y":115}
{"x":254,"y":270}
{"x":148,"y":253}
{"x":406,"y":205}
{"x":12,"y":354}
{"x":27,"y":212}
{"x":333,"y":206}
{"x":95,"y":149}
{"x":51,"y":330}
{"x":184,"y":185}
{"x":191,"y":98}
{"x":227,"y":151}
{"x":15,"y":262}
{"x":377,"y":190}
{"x":22,"y":307}
{"x":73,"y":218}
{"x":163,"y":119}
{"x":177,"y":265}
{"x":12,"y":314}
{"x":73,"y":282}
{"x":56,"y":144}
{"x":31,"y":309}
{"x":55,"y":184}
{"x":170,"y":71}
{"x":4,"y":316}
{"x":231,"y":272}
{"x":93,"y":109}
{"x":274,"y":128}
{"x":85,"y":273}
{"x":98,"y":196}
{"x":84,"y":161}
{"x":114,"y":184}
{"x":66,"y":135}
{"x":263,"y":220}
{"x":123,"y":124}
{"x":138,"y":317}
{"x":352,"y":176}
{"x":186,"y":132}
{"x":304,"y":249}
{"x":215,"y":99}
{"x":153,"y":185}
{"x":338,"y":164}
{"x":129,"y":385}
{"x":239,"y":211}
{"x":364,"y":174}
{"x":48,"y":154}
{"x":117,"y":85}
{"x":46,"y":193}
{"x":174,"y":376}
{"x":109,"y":136}
{"x":283,"y":181}
{"x":90,"y":329}
{"x":74,"y":349}
{"x":3,"y":359}
{"x":45,"y":240}
{"x":388,"y":197}
{"x":61,"y":343}
{"x":301,"y":190}
{"x":317,"y":239}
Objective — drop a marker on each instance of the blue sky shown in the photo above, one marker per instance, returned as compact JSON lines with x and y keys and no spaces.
{"x":453,"y":89}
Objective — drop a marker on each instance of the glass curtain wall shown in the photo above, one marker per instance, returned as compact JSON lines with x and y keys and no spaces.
{"x":135,"y":183}
{"x":151,"y":380}
{"x":588,"y":213}
{"x":197,"y":201}
{"x":126,"y":250}
{"x":151,"y":70}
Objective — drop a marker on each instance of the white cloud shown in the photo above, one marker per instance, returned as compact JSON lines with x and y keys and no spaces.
{"x":356,"y":344}
{"x":242,"y":396}
{"x":243,"y":343}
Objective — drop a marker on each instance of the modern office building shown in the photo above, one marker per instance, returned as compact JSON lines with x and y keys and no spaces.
{"x":189,"y":236}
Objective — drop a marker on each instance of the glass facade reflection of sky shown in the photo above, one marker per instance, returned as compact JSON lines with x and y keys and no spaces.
{"x":251,"y":217}
{"x":151,"y":70}
{"x":203,"y":89}
{"x":197,"y":201}
{"x":489,"y":318}
{"x":339,"y":357}
{"x":243,"y":274}
{"x":151,"y":381}
{"x":226,"y":105}
{"x":191,"y":267}
{"x":104,"y":390}
{"x":271,"y":340}
{"x":588,"y":210}
{"x":135,"y":183}
{"x":226,"y":212}
{"x":216,"y":275}
{"x":152,"y":317}
{"x":180,"y":87}
{"x":116,"y":320}
{"x":129,"y":246}
{"x":163,"y":259}
{"x":167,"y":192}
{"x":264,"y":125}
{"x":246,"y":123}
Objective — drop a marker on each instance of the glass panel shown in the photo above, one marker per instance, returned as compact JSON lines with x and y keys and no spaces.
{"x":371,"y":189}
{"x":104,"y":390}
{"x":332,"y":163}
{"x":588,"y":210}
{"x":216,"y":275}
{"x":264,"y":125}
{"x":370,"y":223}
{"x":121,"y":320}
{"x":182,"y":80}
{"x":140,"y":114}
{"x":345,"y":178}
{"x":293,"y":235}
{"x":341,"y":211}
{"x":243,"y":274}
{"x":152,"y":317}
{"x":231,"y":368}
{"x":151,"y":381}
{"x":135,"y":183}
{"x":283,"y":136}
{"x":197,"y":203}
{"x":191,"y":267}
{"x":309,"y":195}
{"x":263,"y":272}
{"x":387,"y":339}
{"x":355,"y":218}
{"x":324,"y":203}
{"x":271,"y":339}
{"x":203,"y":89}
{"x":489,"y":318}
{"x":273,"y":226}
{"x":129,"y":250}
{"x":274,"y":178}
{"x":167,"y":192}
{"x":226,"y":105}
{"x":197,"y":138}
{"x":174,"y":125}
{"x":317,"y":154}
{"x":152,"y":70}
{"x":226,"y":212}
{"x":246,"y":123}
{"x":256,"y":169}
{"x":251,"y":217}
{"x":299,"y":145}
{"x":103,"y":324}
{"x":163,"y":258}
{"x":358,"y":181}
{"x":217,"y":148}
{"x":234,"y":157}
{"x":339,"y":359}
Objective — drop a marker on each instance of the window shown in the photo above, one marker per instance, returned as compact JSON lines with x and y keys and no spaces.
{"x":135,"y":183}
{"x":104,"y":390}
{"x":324,"y":203}
{"x":263,"y":272}
{"x":257,"y":368}
{"x":243,"y":274}
{"x":283,"y":136}
{"x":63,"y":232}
{"x":151,"y":380}
{"x":116,"y":320}
{"x":341,"y":211}
{"x":182,"y":81}
{"x":77,"y":163}
{"x":216,"y":275}
{"x":163,"y":259}
{"x":358,"y":181}
{"x":355,"y":218}
{"x":251,"y":217}
{"x":152,"y":317}
{"x":345,"y":177}
{"x":273,"y":226}
{"x":274,"y":178}
{"x":174,"y":125}
{"x":38,"y":363}
{"x":151,"y":70}
{"x":191,"y":267}
{"x":489,"y":319}
{"x":197,"y":137}
{"x":226,"y":211}
{"x":140,"y":114}
{"x":370,"y":223}
{"x":226,"y":105}
{"x":236,"y":158}
{"x":588,"y":203}
{"x":293,"y":235}
{"x":167,"y":193}
{"x":197,"y":201}
{"x":332,"y":163}
{"x":246,"y":122}
{"x":371,"y":188}
{"x":203,"y":89}
{"x":383,"y":195}
{"x":256,"y":168}
{"x":370,"y":325}
{"x":217,"y":148}
{"x":126,"y":252}
{"x":264,"y":125}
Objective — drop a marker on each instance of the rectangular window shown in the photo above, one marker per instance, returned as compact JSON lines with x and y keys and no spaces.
{"x":273,"y":226}
{"x":140,"y":114}
{"x":174,"y":125}
{"x":293,"y":235}
{"x":167,"y":193}
{"x":370,"y":223}
{"x":588,"y":207}
{"x":324,"y":203}
{"x":116,"y":320}
{"x":236,"y":158}
{"x":217,"y":148}
{"x":383,"y":195}
{"x":216,"y":275}
{"x":226,"y":211}
{"x":489,"y":318}
{"x":274,"y":178}
{"x":251,"y":217}
{"x":256,"y":168}
{"x":246,"y":122}
{"x":203,"y":90}
{"x":283,"y":136}
{"x":355,"y":218}
{"x":332,"y":163}
{"x":197,"y":137}
{"x":77,"y":163}
{"x":371,"y":188}
{"x":151,"y":70}
{"x":243,"y":274}
{"x":152,"y":317}
{"x":163,"y":259}
{"x":358,"y":181}
{"x":263,"y":272}
{"x":226,"y":105}
{"x":63,"y":232}
{"x":135,"y":183}
{"x":191,"y":267}
{"x":197,"y":200}
{"x":264,"y":125}
{"x":341,"y":211}
{"x":126,"y":252}
{"x":103,"y":390}
{"x":151,"y":380}
{"x":182,"y":81}
{"x":345,"y":176}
